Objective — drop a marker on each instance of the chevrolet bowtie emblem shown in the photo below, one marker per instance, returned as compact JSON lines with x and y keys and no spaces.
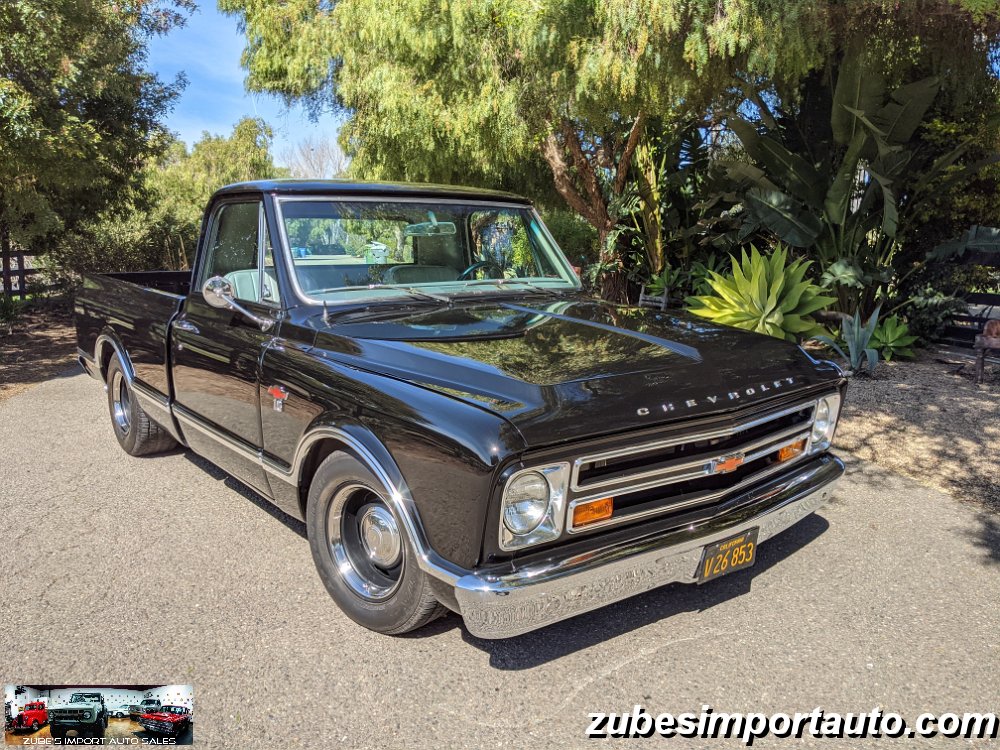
{"x":727,"y":464}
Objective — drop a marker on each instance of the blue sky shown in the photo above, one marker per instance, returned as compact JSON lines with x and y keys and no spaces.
{"x":207,"y":50}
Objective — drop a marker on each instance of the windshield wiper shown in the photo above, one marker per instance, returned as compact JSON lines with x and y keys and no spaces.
{"x":412,"y":291}
{"x":499,"y":283}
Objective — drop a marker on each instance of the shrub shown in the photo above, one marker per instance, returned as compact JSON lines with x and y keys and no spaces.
{"x":766,"y":295}
{"x":576,"y":237}
{"x":892,"y":338}
{"x":9,"y":308}
{"x":857,"y":337}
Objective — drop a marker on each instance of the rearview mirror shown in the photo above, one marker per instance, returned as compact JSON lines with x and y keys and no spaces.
{"x":218,"y":293}
{"x":429,"y":229}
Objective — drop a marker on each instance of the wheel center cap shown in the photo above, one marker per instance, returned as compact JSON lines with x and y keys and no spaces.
{"x":380,"y":535}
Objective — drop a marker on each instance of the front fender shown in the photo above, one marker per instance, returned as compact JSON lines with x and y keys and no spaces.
{"x":438,"y":454}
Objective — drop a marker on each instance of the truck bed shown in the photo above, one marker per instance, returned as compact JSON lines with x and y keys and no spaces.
{"x":134,"y":310}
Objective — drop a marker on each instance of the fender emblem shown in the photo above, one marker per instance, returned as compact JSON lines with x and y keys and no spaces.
{"x":726,"y":464}
{"x":279,"y":394}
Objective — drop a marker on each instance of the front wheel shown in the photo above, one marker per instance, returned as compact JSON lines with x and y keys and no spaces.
{"x":34,"y":725}
{"x":137,"y":434}
{"x":362,"y":552}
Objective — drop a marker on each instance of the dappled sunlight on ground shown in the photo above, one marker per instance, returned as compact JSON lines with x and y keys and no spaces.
{"x":38,"y":345}
{"x":927,"y":421}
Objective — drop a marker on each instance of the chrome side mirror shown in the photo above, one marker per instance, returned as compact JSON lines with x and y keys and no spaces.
{"x":218,"y":293}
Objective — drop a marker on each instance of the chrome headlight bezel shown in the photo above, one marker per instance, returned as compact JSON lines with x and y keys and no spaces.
{"x":824,"y":424}
{"x":550,"y":526}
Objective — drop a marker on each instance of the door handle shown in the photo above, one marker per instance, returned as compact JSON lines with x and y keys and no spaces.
{"x":186,"y":325}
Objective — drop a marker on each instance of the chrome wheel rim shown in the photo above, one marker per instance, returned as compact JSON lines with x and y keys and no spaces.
{"x":121,"y":401}
{"x":365,"y":542}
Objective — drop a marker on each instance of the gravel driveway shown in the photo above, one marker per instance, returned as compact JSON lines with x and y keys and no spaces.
{"x":162,"y":570}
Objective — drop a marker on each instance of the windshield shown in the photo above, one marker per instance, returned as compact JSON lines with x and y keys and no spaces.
{"x":84,"y":697}
{"x":343,"y":251}
{"x":172,"y":710}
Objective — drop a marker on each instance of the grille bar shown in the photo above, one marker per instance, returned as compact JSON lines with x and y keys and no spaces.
{"x":701,"y":465}
{"x":679,"y":472}
{"x":721,"y":432}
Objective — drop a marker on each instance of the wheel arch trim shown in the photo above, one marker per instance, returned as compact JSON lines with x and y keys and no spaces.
{"x":108,"y":338}
{"x":368,"y":449}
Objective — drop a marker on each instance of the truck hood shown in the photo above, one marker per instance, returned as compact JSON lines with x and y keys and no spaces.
{"x":561,"y":370}
{"x":79,"y":705}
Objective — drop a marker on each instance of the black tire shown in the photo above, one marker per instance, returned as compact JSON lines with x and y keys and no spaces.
{"x":137,"y":434}
{"x":411,"y":604}
{"x":57,"y":732}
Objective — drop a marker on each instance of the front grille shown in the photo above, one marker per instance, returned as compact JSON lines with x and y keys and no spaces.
{"x":158,"y":726}
{"x":66,"y":713}
{"x":682,"y":472}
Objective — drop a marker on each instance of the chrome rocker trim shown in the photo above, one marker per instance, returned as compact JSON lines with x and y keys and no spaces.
{"x":502,"y":606}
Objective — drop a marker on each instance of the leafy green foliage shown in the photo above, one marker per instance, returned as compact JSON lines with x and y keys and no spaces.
{"x":892,"y":338}
{"x":929,"y":310}
{"x":9,"y":308}
{"x":766,"y":295}
{"x":79,"y":113}
{"x":164,"y":232}
{"x":846,"y":207}
{"x":576,"y":238}
{"x":857,"y":337}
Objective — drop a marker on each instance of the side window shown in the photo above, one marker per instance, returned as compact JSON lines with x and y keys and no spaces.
{"x":240,"y":252}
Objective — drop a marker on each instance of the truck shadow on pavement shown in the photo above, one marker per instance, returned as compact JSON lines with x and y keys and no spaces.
{"x":246,"y":492}
{"x":589,"y":629}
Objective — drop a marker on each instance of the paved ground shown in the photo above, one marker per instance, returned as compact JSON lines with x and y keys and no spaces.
{"x":121,"y":570}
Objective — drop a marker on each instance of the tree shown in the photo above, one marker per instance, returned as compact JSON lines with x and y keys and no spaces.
{"x":79,"y":114}
{"x":162,"y":230}
{"x":185,"y":180}
{"x":550,"y":98}
{"x":316,"y":158}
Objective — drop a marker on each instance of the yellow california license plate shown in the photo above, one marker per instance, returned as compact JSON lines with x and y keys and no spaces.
{"x":729,"y":555}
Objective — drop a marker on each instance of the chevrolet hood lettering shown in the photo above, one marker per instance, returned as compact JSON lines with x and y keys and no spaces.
{"x":576,"y":367}
{"x":747,"y":393}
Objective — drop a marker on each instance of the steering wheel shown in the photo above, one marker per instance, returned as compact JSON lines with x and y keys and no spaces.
{"x":467,"y":273}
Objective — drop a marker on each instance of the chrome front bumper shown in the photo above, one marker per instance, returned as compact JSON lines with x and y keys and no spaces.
{"x":502,"y":606}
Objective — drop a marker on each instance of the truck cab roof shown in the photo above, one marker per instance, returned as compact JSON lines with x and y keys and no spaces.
{"x":348,"y":187}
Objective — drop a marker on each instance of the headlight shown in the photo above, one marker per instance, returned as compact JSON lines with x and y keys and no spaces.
{"x":533,"y":506}
{"x":86,"y":714}
{"x":526,"y":502}
{"x":824,"y":423}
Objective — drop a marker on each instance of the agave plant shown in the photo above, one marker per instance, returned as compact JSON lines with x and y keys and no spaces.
{"x":892,"y":337}
{"x":857,"y":337}
{"x":766,"y":295}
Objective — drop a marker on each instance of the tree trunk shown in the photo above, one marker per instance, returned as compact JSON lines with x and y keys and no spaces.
{"x":614,"y":286}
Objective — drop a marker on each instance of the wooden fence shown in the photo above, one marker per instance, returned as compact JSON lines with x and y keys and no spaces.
{"x":15,"y":273}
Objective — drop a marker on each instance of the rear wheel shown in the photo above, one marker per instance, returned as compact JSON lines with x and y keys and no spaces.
{"x":34,"y":725}
{"x":137,"y":434}
{"x":362,"y":552}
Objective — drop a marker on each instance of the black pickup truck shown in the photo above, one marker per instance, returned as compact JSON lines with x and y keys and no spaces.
{"x":414,"y":371}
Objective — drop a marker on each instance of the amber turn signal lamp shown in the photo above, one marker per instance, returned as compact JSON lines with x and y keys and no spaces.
{"x":792,"y":450}
{"x":593,"y":511}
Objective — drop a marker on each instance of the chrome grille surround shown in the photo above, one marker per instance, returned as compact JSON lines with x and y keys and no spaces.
{"x":701,"y":466}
